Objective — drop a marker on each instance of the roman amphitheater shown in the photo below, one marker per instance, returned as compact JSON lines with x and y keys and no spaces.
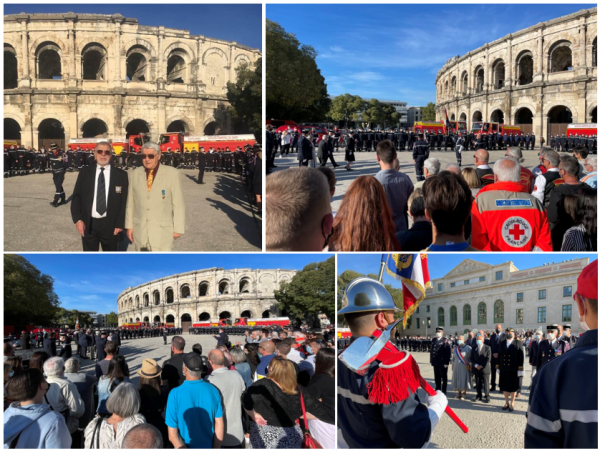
{"x":204,"y":294}
{"x":541,"y":78}
{"x":87,"y":75}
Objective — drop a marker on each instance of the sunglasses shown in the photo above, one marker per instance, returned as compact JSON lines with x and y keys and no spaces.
{"x":148,"y":156}
{"x":106,"y":152}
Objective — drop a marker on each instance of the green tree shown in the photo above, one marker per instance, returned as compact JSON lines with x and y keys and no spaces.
{"x":295,"y":87}
{"x":429,"y":112}
{"x":112,"y":319}
{"x":390,"y":115}
{"x":245,"y":99}
{"x":310,"y":292}
{"x":346,"y":107}
{"x":373,"y":112}
{"x":29,"y":296}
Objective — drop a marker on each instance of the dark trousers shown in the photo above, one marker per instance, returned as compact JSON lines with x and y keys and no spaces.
{"x":482,"y":380}
{"x":419,"y":168}
{"x":200,"y":175}
{"x":58,"y":179}
{"x":458,"y":158}
{"x":286,"y":150}
{"x":98,"y":234}
{"x":82,"y":352}
{"x":303,"y":163}
{"x":440,"y":373}
{"x":494,"y":362}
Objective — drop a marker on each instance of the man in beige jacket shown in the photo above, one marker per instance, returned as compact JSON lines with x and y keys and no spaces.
{"x":155,"y":212}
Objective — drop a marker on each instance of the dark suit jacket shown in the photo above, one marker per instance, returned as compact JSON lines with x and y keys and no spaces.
{"x":495,"y":340}
{"x":418,"y":238}
{"x":482,"y":359}
{"x":83,"y":197}
{"x":100,"y":345}
{"x":323,"y":149}
{"x":304,"y":149}
{"x":50,"y":346}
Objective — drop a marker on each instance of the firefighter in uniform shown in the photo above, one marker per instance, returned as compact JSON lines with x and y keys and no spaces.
{"x":459,"y":148}
{"x":563,"y":403}
{"x":551,"y":347}
{"x":363,"y":423}
{"x":57,"y":160}
{"x":439,"y":359}
{"x":420,"y":155}
{"x":201,"y":166}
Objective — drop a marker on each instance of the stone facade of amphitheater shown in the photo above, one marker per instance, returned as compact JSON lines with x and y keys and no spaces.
{"x":205,"y":294}
{"x":540,"y":78}
{"x":85,"y":75}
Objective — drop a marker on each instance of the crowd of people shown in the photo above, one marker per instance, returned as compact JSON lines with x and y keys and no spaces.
{"x":265,"y":392}
{"x":505,"y":207}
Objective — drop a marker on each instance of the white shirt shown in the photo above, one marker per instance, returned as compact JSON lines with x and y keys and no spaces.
{"x":508,"y":342}
{"x":95,"y":214}
{"x":539,"y":186}
{"x":483,"y":167}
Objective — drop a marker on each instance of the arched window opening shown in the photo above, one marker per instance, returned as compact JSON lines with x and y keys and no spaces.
{"x":560,"y":57}
{"x":203,"y":289}
{"x":467,"y":315}
{"x":498,"y":312}
{"x":481,"y":313}
{"x":169,"y":295}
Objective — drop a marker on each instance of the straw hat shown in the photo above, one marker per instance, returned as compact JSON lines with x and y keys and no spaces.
{"x":150,"y":369}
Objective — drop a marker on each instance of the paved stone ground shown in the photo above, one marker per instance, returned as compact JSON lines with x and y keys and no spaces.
{"x":219,"y":216}
{"x":151,"y":348}
{"x":366,"y":164}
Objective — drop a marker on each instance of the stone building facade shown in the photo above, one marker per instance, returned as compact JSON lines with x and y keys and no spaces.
{"x":85,"y":75}
{"x":476,"y":295}
{"x":541,"y":78}
{"x":208,"y":294}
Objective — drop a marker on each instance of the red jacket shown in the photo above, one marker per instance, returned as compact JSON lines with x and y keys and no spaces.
{"x":505,"y":217}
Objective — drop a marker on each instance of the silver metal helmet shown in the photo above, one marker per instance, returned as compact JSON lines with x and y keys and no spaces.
{"x":366,"y":294}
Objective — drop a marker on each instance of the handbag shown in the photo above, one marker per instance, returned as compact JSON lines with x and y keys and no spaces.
{"x":308,"y":441}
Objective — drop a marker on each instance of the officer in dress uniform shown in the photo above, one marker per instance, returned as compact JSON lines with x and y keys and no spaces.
{"x":57,"y":160}
{"x":201,"y":166}
{"x":370,"y":419}
{"x":420,"y":155}
{"x":510,"y":364}
{"x":551,"y":347}
{"x":439,"y":359}
{"x":459,"y":148}
{"x":532,"y":140}
{"x":567,"y":337}
{"x":563,"y":403}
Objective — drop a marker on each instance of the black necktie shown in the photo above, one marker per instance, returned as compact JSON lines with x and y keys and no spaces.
{"x":101,"y":194}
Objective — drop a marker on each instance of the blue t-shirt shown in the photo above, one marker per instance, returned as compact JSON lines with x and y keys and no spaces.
{"x":192,"y":408}
{"x":261,"y":369}
{"x":448,"y":247}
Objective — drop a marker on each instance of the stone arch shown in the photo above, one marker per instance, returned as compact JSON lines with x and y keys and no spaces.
{"x":156,"y":318}
{"x":216,"y":50}
{"x":180,"y":45}
{"x":156,"y":297}
{"x":524,"y":67}
{"x":477,"y":116}
{"x":241,"y":58}
{"x":186,"y":317}
{"x":146,"y":298}
{"x":215,"y":65}
{"x":446,"y":89}
{"x":246,"y":314}
{"x":497,"y":116}
{"x":139,"y":42}
{"x":48,"y":61}
{"x":137,"y":301}
{"x":559,"y":117}
{"x":245,"y":285}
{"x":224,"y":286}
{"x":560,"y":56}
{"x":12,"y":130}
{"x":169,"y":295}
{"x":224,"y":315}
{"x":595,"y":52}
{"x":185,"y":291}
{"x":93,"y":127}
{"x":498,"y":74}
{"x":180,"y":124}
{"x":266,"y":314}
{"x":137,"y":319}
{"x":481,"y":313}
{"x":440,"y":314}
{"x":11,"y":67}
{"x":499,"y":312}
{"x":211,"y":127}
{"x":479,"y":78}
{"x":203,"y":289}
{"x":146,"y":319}
{"x":204,"y":316}
{"x":523,"y":115}
{"x":454,"y":85}
{"x":592,"y":114}
{"x":464,"y":83}
{"x":136,"y":126}
{"x":50,"y":130}
{"x":139,"y":54}
{"x":170,"y":319}
{"x":179,"y":61}
{"x":453,"y":117}
{"x":462,"y":116}
{"x":93,"y":61}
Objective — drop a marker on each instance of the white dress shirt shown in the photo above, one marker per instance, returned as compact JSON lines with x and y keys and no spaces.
{"x":95,"y":214}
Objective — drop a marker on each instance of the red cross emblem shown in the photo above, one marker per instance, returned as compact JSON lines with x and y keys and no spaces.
{"x":516,"y":232}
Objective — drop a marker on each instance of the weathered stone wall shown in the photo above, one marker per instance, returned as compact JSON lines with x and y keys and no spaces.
{"x":524,"y":74}
{"x":248,"y":290}
{"x":78,"y":67}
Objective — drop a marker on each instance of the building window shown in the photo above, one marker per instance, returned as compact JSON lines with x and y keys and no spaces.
{"x":482,"y":279}
{"x":498,"y":312}
{"x":452,"y":285}
{"x":428,"y":309}
{"x":541,"y":294}
{"x":418,"y":323}
{"x":429,"y":323}
{"x":453,"y":316}
{"x":440,"y":286}
{"x":467,"y":315}
{"x":541,"y":314}
{"x":466,"y":282}
{"x":482,"y":313}
{"x":566,"y":313}
{"x":498,"y":275}
{"x":519,"y":297}
{"x":567,"y":291}
{"x":441,"y":317}
{"x":519,"y":316}
{"x":417,"y":310}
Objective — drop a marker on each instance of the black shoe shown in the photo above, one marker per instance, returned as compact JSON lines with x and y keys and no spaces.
{"x":476,"y":398}
{"x":336,"y":165}
{"x":486,"y":400}
{"x":54,"y":204}
{"x":511,"y":409}
{"x":505,"y":408}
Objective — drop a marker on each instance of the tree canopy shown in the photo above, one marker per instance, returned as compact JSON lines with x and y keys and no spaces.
{"x":310,"y":292}
{"x":29,"y":296}
{"x":112,"y":319}
{"x":348,"y":107}
{"x":429,"y":112}
{"x":64,"y":317}
{"x":295,"y":87}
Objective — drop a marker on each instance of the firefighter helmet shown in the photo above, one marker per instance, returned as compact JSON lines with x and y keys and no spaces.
{"x":366,"y":294}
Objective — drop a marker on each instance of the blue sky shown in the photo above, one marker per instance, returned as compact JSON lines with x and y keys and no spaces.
{"x":92,"y":282}
{"x":393,"y":52}
{"x":239,"y":23}
{"x":441,"y":264}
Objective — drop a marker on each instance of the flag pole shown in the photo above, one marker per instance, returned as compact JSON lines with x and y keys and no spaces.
{"x":381,"y":269}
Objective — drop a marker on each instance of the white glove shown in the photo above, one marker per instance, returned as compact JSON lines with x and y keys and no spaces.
{"x":437,"y":403}
{"x":521,"y":373}
{"x":445,"y":366}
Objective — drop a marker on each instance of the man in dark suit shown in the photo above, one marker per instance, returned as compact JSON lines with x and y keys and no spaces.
{"x":439,"y":358}
{"x":65,"y":351}
{"x":83,"y":344}
{"x":481,"y":356}
{"x":304,"y":148}
{"x":98,"y":204}
{"x":100,"y":346}
{"x":50,"y":345}
{"x":221,"y":338}
{"x":323,"y":151}
{"x":201,"y":166}
{"x":495,"y":339}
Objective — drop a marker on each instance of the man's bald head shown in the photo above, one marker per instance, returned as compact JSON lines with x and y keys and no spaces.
{"x":482,"y":155}
{"x":268,"y":347}
{"x":216,"y":357}
{"x":144,"y":436}
{"x":297,"y":202}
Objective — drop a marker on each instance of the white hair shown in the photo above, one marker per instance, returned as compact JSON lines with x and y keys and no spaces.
{"x":72,"y":365}
{"x":151,"y":145}
{"x":432,"y":165}
{"x":124,"y":400}
{"x":454,"y":168}
{"x":507,"y":169}
{"x":592,"y":161}
{"x":54,"y":366}
{"x":515,"y":151}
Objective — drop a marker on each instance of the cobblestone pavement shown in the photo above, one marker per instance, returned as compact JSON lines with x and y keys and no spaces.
{"x":366,"y":164}
{"x":219,"y":216}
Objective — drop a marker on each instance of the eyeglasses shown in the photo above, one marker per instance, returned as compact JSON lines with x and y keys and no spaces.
{"x":106,"y":152}
{"x":148,"y":156}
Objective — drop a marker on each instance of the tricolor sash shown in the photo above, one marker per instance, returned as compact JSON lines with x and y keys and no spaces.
{"x":460,"y":357}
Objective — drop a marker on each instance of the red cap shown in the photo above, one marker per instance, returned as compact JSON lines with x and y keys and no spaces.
{"x":587,"y":282}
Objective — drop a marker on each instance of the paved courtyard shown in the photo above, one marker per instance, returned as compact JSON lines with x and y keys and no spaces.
{"x":219,"y":215}
{"x":366,"y":164}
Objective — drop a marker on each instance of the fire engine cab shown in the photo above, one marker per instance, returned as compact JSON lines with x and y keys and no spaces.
{"x":435,"y":127}
{"x":179,"y":143}
{"x":586,"y":130}
{"x":485,"y":128}
{"x":132,"y":144}
{"x":262,"y":322}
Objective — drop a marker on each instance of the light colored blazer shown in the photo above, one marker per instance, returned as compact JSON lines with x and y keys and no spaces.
{"x":155,"y":215}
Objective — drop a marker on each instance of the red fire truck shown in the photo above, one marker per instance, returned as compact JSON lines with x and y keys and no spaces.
{"x":585,"y":130}
{"x":278,"y":123}
{"x":16,"y":330}
{"x":262,"y":322}
{"x":343,"y":332}
{"x":485,"y":128}
{"x":225,"y":322}
{"x":132,"y":144}
{"x":435,"y":127}
{"x":178,"y":142}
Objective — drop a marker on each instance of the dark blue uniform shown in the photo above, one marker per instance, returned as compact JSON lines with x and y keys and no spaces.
{"x":494,"y":344}
{"x":563,"y":404}
{"x":546,"y":352}
{"x":404,"y":424}
{"x":50,"y":346}
{"x":420,"y":155}
{"x":439,"y":358}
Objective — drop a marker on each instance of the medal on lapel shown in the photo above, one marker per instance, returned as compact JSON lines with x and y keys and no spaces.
{"x":163,"y":194}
